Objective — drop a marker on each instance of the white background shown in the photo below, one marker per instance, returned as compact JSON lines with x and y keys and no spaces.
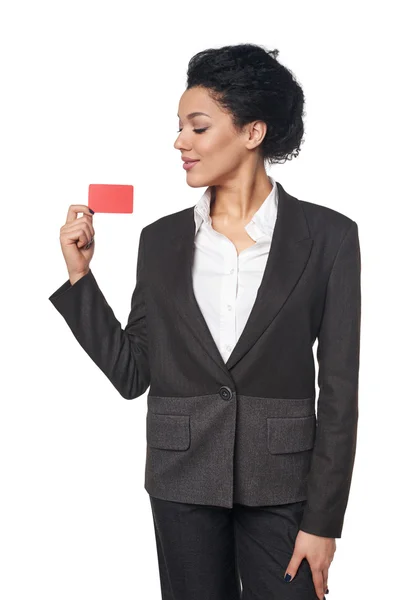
{"x":90,"y":93}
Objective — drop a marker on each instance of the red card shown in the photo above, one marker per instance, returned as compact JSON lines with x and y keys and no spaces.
{"x":109,"y":198}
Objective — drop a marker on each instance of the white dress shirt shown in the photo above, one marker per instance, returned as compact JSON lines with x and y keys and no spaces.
{"x":225,"y":284}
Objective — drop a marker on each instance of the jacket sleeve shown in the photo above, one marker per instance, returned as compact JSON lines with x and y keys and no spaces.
{"x":338,"y":352}
{"x":122,"y":354}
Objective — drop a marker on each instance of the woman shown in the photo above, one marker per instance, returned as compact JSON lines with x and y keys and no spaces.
{"x":248,"y":490}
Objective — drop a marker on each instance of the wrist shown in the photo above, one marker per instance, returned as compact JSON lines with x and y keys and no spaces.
{"x":74,"y":277}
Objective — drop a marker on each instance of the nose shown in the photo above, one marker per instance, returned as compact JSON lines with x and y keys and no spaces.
{"x":183,"y":142}
{"x":178,"y":145}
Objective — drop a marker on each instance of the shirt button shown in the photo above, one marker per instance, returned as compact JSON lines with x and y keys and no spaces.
{"x":228,"y":347}
{"x":229,"y":307}
{"x":231,"y":271}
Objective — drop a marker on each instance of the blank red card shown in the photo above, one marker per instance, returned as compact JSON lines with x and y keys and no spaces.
{"x":110,"y":198}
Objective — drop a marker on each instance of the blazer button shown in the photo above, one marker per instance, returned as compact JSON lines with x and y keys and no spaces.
{"x":225,"y":393}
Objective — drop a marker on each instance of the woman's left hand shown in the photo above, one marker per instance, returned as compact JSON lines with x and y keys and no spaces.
{"x":319,"y":552}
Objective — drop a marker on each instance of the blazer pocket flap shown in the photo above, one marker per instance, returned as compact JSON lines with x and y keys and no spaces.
{"x":291,"y":434}
{"x":168,"y":432}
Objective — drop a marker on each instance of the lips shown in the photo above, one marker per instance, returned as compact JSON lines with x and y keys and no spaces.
{"x":190,"y":164}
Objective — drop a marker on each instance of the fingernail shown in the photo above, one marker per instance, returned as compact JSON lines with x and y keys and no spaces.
{"x":92,"y":211}
{"x":288,"y":577}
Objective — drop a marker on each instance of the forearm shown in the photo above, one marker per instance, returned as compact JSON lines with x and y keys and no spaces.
{"x":120,"y":354}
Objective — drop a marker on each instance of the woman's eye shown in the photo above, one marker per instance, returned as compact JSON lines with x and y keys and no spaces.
{"x":196,"y":130}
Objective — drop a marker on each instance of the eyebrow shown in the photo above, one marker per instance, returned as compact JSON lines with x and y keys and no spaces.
{"x":194,"y":114}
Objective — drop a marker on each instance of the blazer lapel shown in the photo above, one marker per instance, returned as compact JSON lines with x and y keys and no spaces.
{"x":289,"y":253}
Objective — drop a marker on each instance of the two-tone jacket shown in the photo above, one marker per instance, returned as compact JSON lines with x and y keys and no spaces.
{"x":250,"y":430}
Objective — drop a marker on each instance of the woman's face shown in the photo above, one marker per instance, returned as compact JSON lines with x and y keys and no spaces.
{"x":211,"y":140}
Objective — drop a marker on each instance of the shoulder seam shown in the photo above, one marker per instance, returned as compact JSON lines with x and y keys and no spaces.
{"x":340,"y":246}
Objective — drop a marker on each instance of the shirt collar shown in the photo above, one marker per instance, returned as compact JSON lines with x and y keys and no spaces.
{"x":262,"y":222}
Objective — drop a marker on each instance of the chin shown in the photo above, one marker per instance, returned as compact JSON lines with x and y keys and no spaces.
{"x":197,"y":184}
{"x":200,"y":182}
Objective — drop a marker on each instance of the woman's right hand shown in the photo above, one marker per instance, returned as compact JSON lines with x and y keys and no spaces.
{"x":77,"y":240}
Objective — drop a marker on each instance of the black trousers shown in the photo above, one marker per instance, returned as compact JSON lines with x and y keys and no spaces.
{"x":239,"y":553}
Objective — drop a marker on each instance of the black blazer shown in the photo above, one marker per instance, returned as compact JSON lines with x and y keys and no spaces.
{"x":248,"y":430}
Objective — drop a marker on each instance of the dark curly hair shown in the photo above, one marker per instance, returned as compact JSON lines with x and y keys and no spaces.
{"x":251,"y":84}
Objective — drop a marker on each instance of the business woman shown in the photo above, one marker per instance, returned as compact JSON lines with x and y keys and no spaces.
{"x":248,"y":483}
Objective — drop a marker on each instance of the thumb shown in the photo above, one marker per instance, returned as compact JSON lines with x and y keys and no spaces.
{"x":293,"y":566}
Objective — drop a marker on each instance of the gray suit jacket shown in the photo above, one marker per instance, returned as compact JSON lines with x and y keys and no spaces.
{"x":248,"y":430}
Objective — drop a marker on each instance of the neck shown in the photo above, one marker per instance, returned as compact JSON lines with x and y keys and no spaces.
{"x":238,"y":201}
